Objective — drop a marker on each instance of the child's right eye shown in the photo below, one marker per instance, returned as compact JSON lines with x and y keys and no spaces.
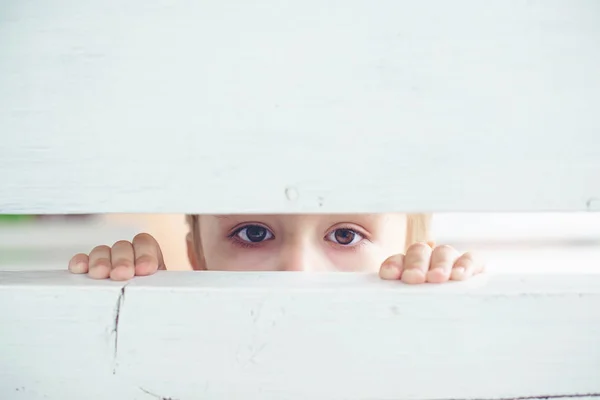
{"x":253,"y":234}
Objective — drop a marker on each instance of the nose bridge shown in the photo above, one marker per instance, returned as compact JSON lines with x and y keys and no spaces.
{"x":298,"y":253}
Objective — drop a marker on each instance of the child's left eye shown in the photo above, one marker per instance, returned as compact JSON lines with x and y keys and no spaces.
{"x":344,"y":236}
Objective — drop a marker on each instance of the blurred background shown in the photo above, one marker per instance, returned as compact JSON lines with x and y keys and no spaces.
{"x":509,"y":242}
{"x":49,"y":241}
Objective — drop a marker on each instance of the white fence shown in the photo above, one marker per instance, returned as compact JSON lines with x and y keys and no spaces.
{"x":290,"y":107}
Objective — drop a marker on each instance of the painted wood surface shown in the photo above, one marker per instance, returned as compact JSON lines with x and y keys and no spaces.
{"x":211,"y":335}
{"x":361,"y":106}
{"x":300,"y":106}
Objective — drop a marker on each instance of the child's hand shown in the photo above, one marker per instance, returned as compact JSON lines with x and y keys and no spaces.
{"x":422,"y":263}
{"x":123,"y":261}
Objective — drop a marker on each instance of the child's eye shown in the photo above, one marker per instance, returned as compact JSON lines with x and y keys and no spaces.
{"x":253,"y":234}
{"x":344,"y":236}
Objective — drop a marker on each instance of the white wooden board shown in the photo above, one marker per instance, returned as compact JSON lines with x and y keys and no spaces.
{"x":299,"y":106}
{"x":213,"y":335}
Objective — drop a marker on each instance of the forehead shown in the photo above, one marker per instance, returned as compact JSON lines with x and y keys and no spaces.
{"x":370,"y":221}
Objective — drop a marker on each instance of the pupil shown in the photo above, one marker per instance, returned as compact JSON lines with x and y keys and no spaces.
{"x":344,"y":236}
{"x":256,"y":233}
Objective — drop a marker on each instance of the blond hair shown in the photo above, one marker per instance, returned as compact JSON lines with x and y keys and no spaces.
{"x":418,"y":229}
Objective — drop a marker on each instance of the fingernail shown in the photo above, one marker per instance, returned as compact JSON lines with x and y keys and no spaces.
{"x":78,"y":268}
{"x":389,"y":271}
{"x":438,"y":274}
{"x":413,"y":275}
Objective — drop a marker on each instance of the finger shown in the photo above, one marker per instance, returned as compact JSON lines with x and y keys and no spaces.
{"x":79,"y":264}
{"x":391,"y":268}
{"x":416,"y":263}
{"x":442,"y":261}
{"x":466,"y":266}
{"x":148,"y":256}
{"x":122,"y":261}
{"x":99,"y":264}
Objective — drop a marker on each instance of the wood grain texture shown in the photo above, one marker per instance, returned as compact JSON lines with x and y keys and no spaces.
{"x":211,"y":335}
{"x":355,"y":106}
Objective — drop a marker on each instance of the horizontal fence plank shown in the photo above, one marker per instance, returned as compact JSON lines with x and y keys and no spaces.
{"x":221,"y":107}
{"x":217,"y":335}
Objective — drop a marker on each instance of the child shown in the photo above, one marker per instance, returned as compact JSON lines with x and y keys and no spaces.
{"x":395,"y":244}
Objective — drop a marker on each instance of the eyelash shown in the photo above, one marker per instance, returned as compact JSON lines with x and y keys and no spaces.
{"x":354,"y":247}
{"x":233,"y":236}
{"x":243,"y":244}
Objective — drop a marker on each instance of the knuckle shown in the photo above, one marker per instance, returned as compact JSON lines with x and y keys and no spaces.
{"x":418,"y":247}
{"x":123,"y":262}
{"x":394,"y":260}
{"x":100,"y":249}
{"x":145,"y":237}
{"x":444,"y":254}
{"x":418,"y":263}
{"x":145,"y":258}
{"x":79,"y":257}
{"x":121,"y":243}
{"x":440,"y":265}
{"x":395,"y":257}
{"x":468,"y":256}
{"x":444,"y":248}
{"x":101,"y":262}
{"x":418,"y":254}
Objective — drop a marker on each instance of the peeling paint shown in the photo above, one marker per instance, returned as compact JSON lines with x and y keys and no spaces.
{"x":120,"y":302}
{"x":156,"y":396}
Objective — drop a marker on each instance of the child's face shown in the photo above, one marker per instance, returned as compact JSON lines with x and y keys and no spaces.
{"x":323,"y":242}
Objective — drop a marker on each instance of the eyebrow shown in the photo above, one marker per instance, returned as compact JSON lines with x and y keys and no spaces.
{"x":227,"y":218}
{"x":333,"y":215}
{"x":238,"y":216}
{"x":358,"y":217}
